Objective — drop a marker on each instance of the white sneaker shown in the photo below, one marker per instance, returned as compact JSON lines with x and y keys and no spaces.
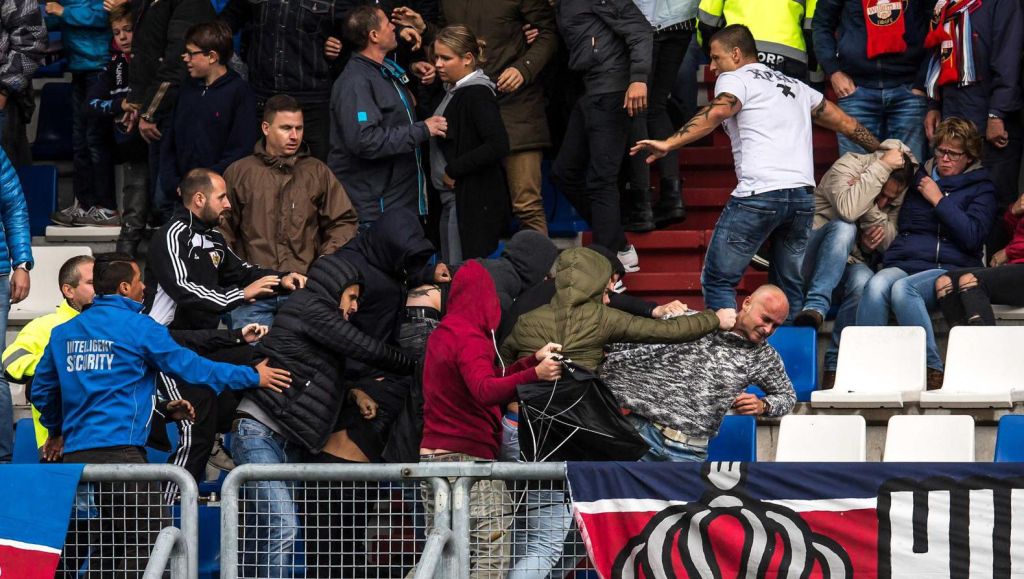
{"x":629,"y":259}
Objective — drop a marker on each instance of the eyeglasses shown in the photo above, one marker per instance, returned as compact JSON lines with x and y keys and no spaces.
{"x":951,"y":155}
{"x":190,"y":54}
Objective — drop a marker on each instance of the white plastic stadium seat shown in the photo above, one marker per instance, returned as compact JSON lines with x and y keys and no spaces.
{"x":44,"y":294}
{"x":929,"y":439}
{"x":879,"y":367}
{"x":984,"y":369}
{"x":822,"y":438}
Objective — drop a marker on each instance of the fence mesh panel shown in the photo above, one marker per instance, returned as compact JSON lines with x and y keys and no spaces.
{"x":112,"y":529}
{"x":330,"y":529}
{"x":537,"y":536}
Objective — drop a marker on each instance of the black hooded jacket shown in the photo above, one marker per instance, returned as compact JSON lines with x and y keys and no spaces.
{"x":527,"y":258}
{"x":311,"y":339}
{"x":389,"y":254}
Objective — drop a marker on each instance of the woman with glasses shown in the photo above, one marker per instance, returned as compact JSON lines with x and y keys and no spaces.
{"x":945,"y":219}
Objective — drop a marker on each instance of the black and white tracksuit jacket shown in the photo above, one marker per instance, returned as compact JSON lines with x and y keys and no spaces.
{"x":192,"y":276}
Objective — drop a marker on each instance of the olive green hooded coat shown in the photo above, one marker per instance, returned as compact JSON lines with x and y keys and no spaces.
{"x":577,"y":318}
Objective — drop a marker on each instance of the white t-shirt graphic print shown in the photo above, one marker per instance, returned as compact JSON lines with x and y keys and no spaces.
{"x":771,"y":135}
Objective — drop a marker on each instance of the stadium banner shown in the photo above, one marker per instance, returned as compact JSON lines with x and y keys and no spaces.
{"x":35,"y":509}
{"x":800,"y":520}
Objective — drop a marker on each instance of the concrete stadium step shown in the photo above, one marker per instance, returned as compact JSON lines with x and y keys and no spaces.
{"x":86,"y":233}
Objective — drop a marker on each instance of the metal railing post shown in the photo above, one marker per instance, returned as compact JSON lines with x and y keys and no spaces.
{"x":161,"y":473}
{"x":166,"y":544}
{"x":229,"y":523}
{"x":460,"y":526}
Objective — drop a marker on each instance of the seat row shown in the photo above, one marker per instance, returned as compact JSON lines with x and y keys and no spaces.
{"x":884,"y":367}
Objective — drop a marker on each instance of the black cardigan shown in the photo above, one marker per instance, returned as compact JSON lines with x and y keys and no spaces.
{"x":474,"y":148}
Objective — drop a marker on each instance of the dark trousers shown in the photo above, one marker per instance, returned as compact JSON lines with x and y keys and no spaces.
{"x":1004,"y":170}
{"x":587,"y":166}
{"x":214,"y":413}
{"x":92,"y":139}
{"x":972,"y":305}
{"x":114,"y":525}
{"x":164,"y":197}
{"x":669,"y":50}
{"x":316,"y":126}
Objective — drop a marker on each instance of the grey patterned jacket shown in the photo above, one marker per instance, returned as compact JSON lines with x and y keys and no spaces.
{"x":691,"y":386}
{"x":22,"y":43}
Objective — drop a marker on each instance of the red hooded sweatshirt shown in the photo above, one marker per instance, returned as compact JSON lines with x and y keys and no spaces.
{"x":464,"y":393}
{"x":1015,"y":227}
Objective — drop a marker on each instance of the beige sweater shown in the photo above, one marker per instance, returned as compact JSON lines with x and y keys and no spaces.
{"x":848,"y":190}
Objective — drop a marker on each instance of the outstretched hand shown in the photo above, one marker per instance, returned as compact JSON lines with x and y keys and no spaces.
{"x":657,"y":149}
{"x":273,"y":378}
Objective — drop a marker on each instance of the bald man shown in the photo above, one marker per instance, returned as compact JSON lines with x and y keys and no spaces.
{"x":679,"y":393}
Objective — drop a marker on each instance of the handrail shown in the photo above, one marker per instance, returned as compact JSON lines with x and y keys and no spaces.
{"x":167,"y":545}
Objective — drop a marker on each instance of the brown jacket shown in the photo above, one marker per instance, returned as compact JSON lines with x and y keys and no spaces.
{"x":285,"y":212}
{"x":499,"y":23}
{"x":848,"y":190}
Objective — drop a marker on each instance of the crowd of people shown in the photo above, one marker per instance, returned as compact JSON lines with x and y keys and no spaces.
{"x":334,"y":182}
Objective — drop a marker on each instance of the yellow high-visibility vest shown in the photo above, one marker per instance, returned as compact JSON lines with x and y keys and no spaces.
{"x":777,"y":25}
{"x":22,"y":356}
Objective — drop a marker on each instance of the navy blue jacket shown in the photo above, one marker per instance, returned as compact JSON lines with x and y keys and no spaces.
{"x":998,"y":27}
{"x":840,"y":43}
{"x":949,"y":235}
{"x":96,"y":381}
{"x":213,"y":126}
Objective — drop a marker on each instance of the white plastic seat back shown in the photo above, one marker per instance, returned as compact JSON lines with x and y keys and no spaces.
{"x":44,"y":294}
{"x":822,"y":438}
{"x":878,"y":366}
{"x":984,"y":366}
{"x":929,"y":439}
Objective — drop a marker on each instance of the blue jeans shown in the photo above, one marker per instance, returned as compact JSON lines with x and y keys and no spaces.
{"x":272,"y":522}
{"x":783,"y":216}
{"x":825,"y":262}
{"x":92,"y":139}
{"x":910,"y":297}
{"x":847,"y":294}
{"x":6,"y":402}
{"x":889,"y":113}
{"x":663,"y":449}
{"x":258,"y":312}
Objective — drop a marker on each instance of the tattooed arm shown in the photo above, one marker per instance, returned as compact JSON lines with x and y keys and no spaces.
{"x":832,"y":117}
{"x":722,"y":107}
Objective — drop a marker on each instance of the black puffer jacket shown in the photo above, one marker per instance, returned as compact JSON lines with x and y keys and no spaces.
{"x":390,"y":254}
{"x":311,"y":339}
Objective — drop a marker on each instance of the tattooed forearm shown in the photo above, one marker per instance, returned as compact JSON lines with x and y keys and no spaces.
{"x":819,"y":110}
{"x":864,"y":138}
{"x":703,"y":120}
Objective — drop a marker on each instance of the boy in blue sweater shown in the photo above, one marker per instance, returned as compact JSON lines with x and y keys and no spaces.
{"x":213,"y":118}
{"x":85,"y":34}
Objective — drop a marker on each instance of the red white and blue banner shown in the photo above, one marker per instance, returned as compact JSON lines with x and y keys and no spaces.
{"x":801,"y":520}
{"x":35,"y":506}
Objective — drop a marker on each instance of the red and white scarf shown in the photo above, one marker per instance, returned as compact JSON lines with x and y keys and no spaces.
{"x":952,"y":60}
{"x":885,"y":23}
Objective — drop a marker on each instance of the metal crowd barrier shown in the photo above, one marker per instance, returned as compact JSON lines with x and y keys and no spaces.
{"x":441,"y":519}
{"x":121,"y":525}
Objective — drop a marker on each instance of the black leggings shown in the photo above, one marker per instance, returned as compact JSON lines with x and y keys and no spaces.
{"x":972,"y":304}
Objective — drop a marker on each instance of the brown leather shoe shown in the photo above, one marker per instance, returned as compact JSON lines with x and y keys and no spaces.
{"x":934,"y":379}
{"x":828,"y":380}
{"x":808,"y":319}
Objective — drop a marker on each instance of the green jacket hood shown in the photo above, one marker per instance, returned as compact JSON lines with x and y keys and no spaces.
{"x":581,"y":276}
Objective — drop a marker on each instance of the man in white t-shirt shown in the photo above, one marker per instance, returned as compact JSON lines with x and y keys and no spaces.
{"x":768,"y":117}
